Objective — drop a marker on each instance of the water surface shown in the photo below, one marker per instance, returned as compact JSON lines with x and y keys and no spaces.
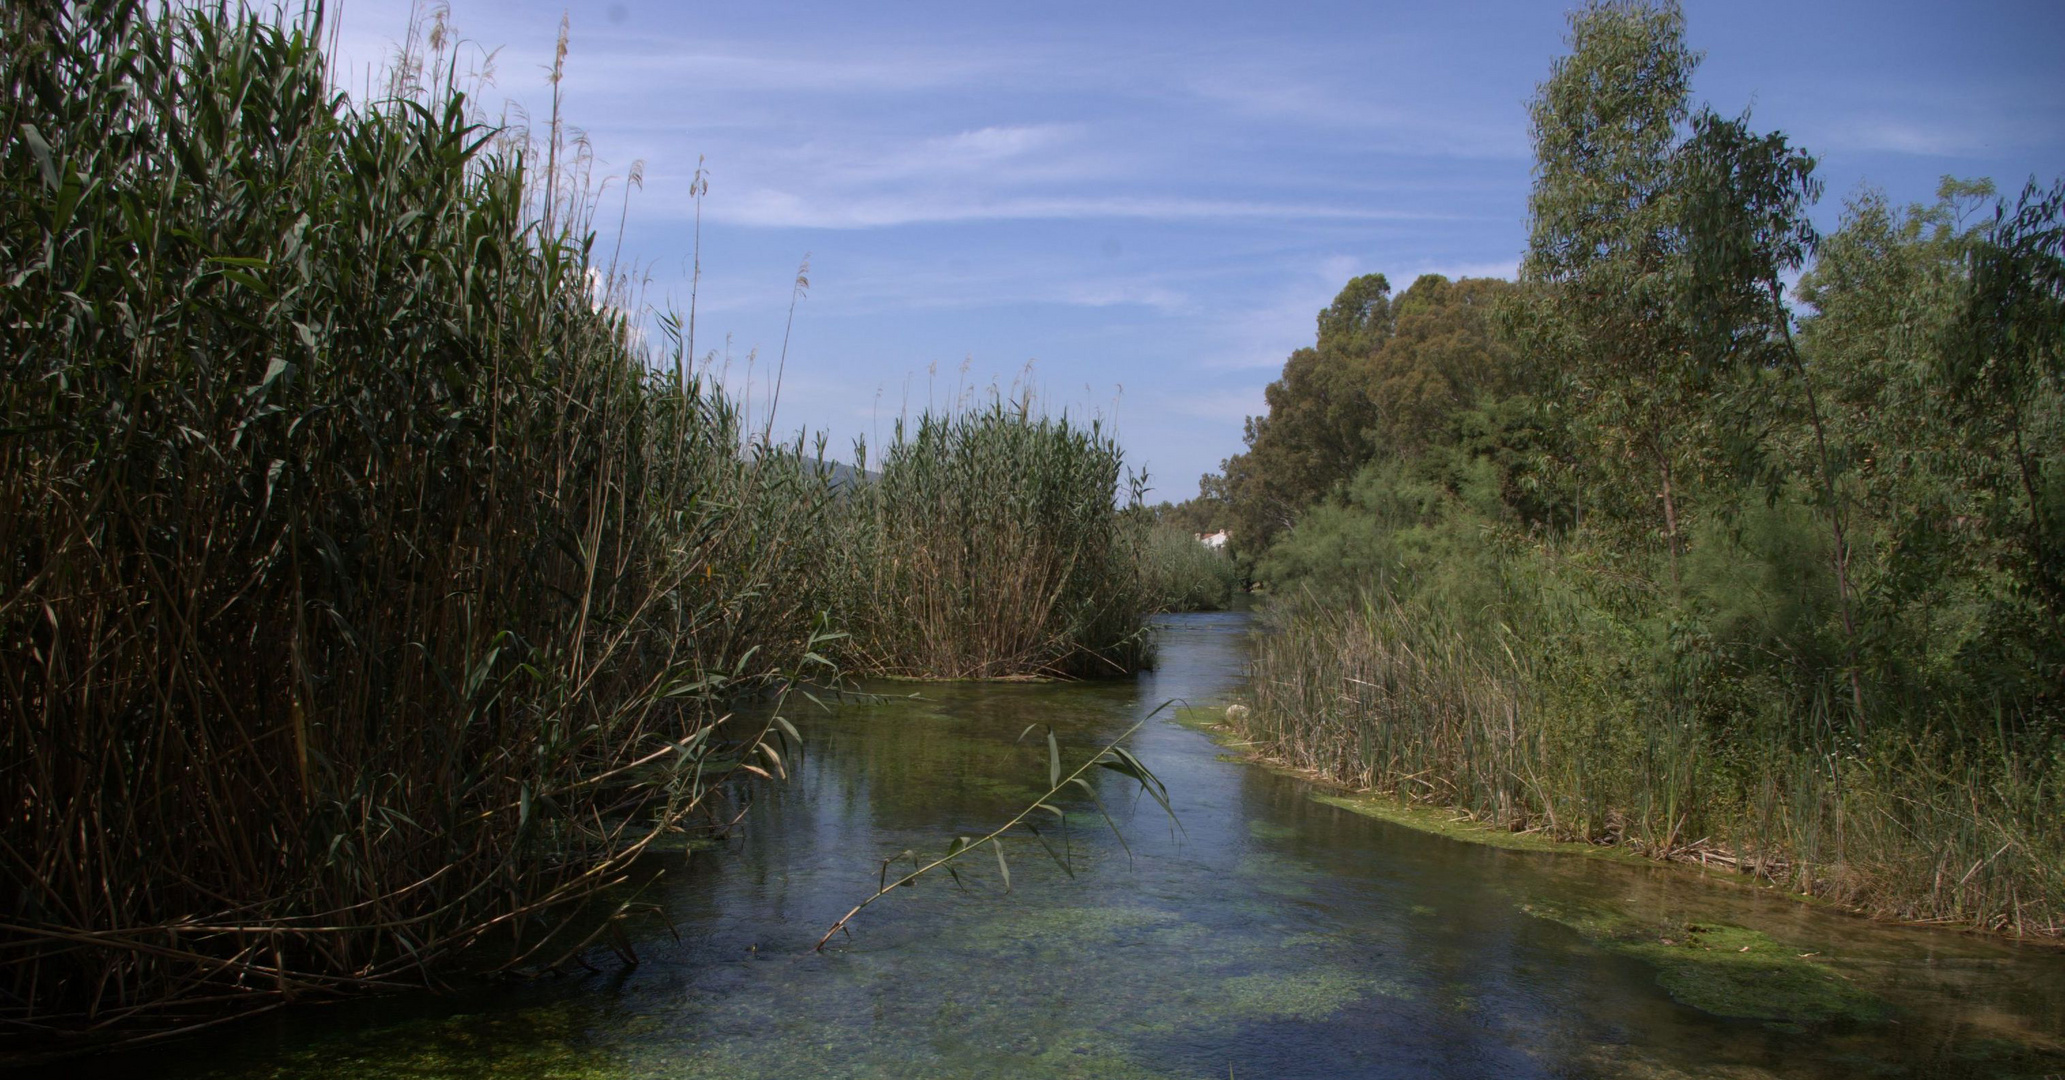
{"x":1273,"y":936}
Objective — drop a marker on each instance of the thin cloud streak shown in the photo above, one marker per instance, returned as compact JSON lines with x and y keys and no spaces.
{"x":774,"y":209}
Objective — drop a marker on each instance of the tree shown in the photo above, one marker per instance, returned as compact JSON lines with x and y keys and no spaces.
{"x":1744,"y":205}
{"x":1316,"y":432}
{"x":1359,"y":319}
{"x":1606,"y":240}
{"x":2004,"y":375}
{"x":1443,"y":355}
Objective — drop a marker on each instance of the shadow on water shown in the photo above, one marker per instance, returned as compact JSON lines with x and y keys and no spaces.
{"x":1274,"y":936}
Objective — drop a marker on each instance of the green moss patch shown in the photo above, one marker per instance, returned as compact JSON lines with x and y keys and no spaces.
{"x":1728,"y":970}
{"x":1444,"y":822}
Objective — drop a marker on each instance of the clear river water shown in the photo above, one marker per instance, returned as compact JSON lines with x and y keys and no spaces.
{"x":1274,"y":935}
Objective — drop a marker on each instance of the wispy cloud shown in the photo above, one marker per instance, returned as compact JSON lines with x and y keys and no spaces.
{"x":1938,"y":136}
{"x":1003,"y":156}
{"x":1121,"y":293}
{"x":769,"y":208}
{"x":1257,"y":337}
{"x":638,"y":63}
{"x":1400,"y":120}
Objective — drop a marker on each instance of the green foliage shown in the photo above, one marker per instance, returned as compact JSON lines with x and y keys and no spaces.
{"x":1606,"y":246}
{"x":1201,"y":515}
{"x":1385,"y":376}
{"x":1184,"y":574}
{"x":2003,"y":373}
{"x":991,"y":542}
{"x":1359,"y":319}
{"x":1761,"y":581}
{"x":1691,"y":564}
{"x":1442,"y":358}
{"x":1951,"y":494}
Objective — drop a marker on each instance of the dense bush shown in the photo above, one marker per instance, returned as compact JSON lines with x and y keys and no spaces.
{"x":1557,"y":688}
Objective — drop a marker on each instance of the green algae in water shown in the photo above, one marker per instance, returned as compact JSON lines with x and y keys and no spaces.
{"x":546,"y":1043}
{"x":1269,"y":830}
{"x":1442,"y":822}
{"x":1275,"y":875}
{"x":1301,"y":995}
{"x":1205,"y":718}
{"x":1084,"y":1056}
{"x":1088,"y":926}
{"x":1728,"y":970}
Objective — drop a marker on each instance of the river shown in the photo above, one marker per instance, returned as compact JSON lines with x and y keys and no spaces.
{"x":1273,"y":935}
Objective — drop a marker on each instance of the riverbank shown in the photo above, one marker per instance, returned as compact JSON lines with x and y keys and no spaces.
{"x":1708,"y":863}
{"x":1653,"y":549}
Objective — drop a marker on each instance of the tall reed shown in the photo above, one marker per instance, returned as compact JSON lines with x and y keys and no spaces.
{"x":991,"y":541}
{"x":1538,"y":715}
{"x":362,"y":590}
{"x":1186,"y":575}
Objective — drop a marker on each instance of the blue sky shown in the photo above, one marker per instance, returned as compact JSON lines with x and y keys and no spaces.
{"x":1148,"y":203}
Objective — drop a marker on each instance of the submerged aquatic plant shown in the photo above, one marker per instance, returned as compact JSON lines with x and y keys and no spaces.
{"x":1113,"y":757}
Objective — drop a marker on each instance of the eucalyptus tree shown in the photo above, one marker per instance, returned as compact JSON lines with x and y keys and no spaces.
{"x":1316,"y":432}
{"x":1444,"y":355}
{"x":1606,"y":245}
{"x":2003,"y":373}
{"x":1745,"y":197}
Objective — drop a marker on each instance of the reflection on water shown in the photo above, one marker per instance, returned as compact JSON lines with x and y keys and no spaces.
{"x":1274,"y":936}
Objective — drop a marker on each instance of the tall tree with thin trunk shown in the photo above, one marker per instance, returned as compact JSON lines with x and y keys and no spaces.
{"x":1606,"y":243}
{"x":1745,"y":224}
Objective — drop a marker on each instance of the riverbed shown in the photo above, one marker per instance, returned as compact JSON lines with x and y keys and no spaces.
{"x":1270,"y":934}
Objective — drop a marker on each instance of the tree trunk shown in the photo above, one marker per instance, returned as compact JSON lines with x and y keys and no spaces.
{"x":1670,"y":522}
{"x":1837,"y":524}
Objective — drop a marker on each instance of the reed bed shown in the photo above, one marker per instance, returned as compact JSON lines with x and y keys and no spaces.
{"x":991,"y":541}
{"x":1184,"y":574}
{"x":1527,"y":718}
{"x":371,"y":591}
{"x":364,"y":594}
